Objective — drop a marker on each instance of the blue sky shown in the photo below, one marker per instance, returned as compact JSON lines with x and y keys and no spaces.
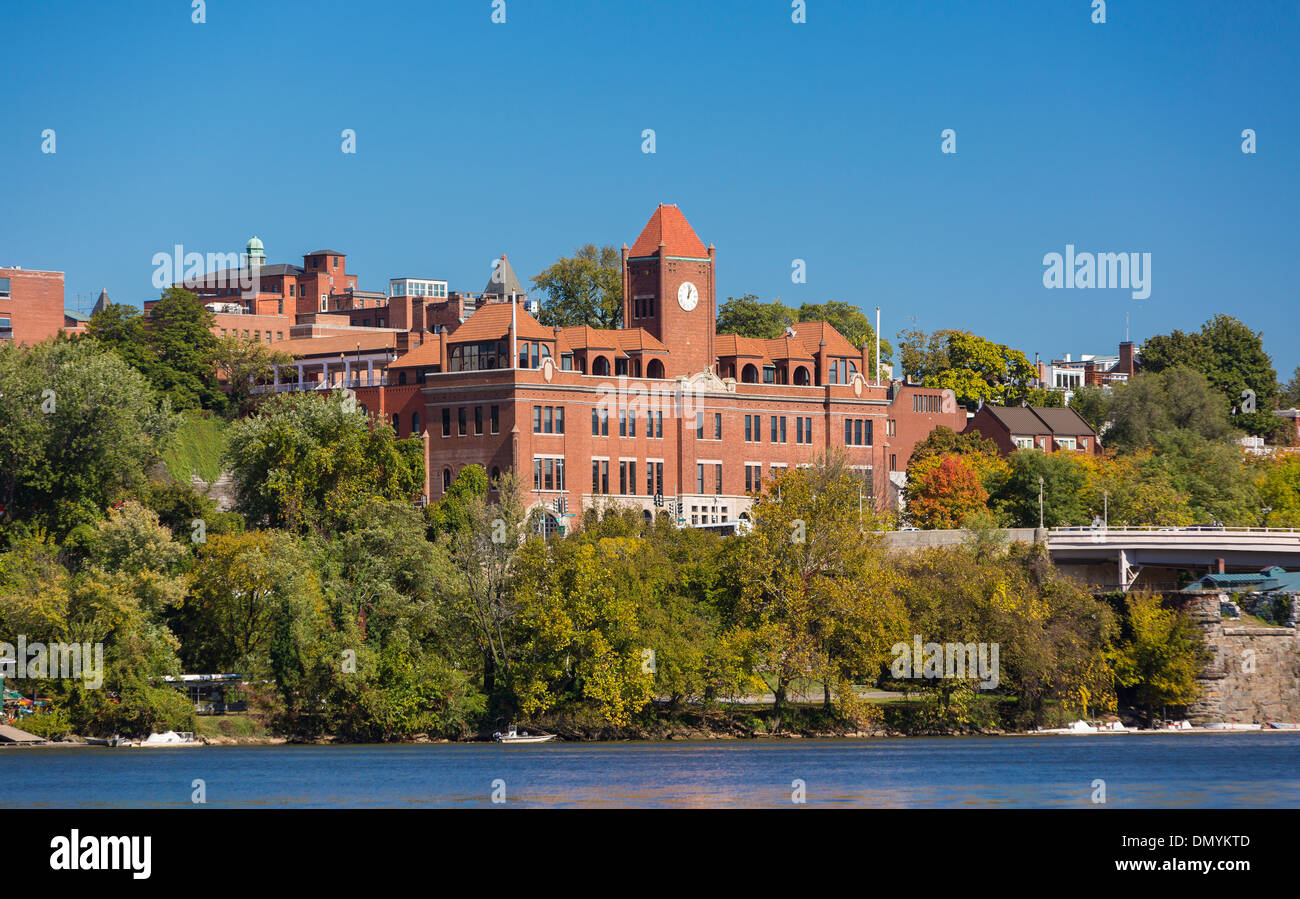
{"x":818,"y":141}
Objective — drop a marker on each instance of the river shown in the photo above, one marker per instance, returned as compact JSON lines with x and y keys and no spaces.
{"x":1242,"y":770}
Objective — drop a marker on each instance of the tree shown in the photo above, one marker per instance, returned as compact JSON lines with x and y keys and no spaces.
{"x":1289,"y":395}
{"x":1161,"y":658}
{"x":943,"y":491}
{"x":121,"y":328}
{"x":749,"y":317}
{"x":306,"y":461}
{"x":246,"y":588}
{"x":1278,"y":481}
{"x":1153,"y":404}
{"x":178,"y":331}
{"x":810,"y":593}
{"x":1233,"y":360}
{"x":1093,"y":405}
{"x":244,"y":362}
{"x":974,"y":368}
{"x":78,"y":427}
{"x":584,"y":289}
{"x":1063,"y":480}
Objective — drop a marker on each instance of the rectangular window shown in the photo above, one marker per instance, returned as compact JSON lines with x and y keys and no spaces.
{"x":717,"y":478}
{"x":699,"y":477}
{"x":460,"y":421}
{"x":478,"y":421}
{"x":798,"y":431}
{"x":699,"y":425}
{"x":783,"y":429}
{"x":537,"y":419}
{"x":548,"y":472}
{"x":622,"y":422}
{"x":717,"y":425}
{"x":600,"y":476}
{"x":769,"y":374}
{"x":773,"y":429}
{"x":548,"y":420}
{"x":494,"y":419}
{"x":559,"y":419}
{"x":4,"y":289}
{"x":659,"y":425}
{"x":446,"y":422}
{"x":537,"y":474}
{"x":559,"y":474}
{"x":654,"y":478}
{"x":620,"y":366}
{"x":753,"y":478}
{"x":807,"y":430}
{"x":749,"y":429}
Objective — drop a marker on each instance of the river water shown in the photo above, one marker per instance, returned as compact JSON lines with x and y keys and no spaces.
{"x":1163,"y":770}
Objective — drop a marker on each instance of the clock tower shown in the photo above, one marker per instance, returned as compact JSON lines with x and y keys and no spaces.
{"x":669,"y":288}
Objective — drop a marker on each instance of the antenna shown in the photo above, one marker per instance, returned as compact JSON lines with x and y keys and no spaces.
{"x":1126,"y":326}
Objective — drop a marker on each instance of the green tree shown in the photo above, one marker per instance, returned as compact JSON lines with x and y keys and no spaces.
{"x":583,"y":289}
{"x":1063,"y":479}
{"x":78,"y":428}
{"x":306,"y":461}
{"x":853,"y":323}
{"x":1233,"y":360}
{"x":178,"y":331}
{"x":1093,"y":405}
{"x":1154,"y":404}
{"x":974,"y":368}
{"x":1161,"y":658}
{"x":750,"y":317}
{"x":243,"y":362}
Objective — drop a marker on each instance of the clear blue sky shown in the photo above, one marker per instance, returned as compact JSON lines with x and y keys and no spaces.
{"x":779,"y":141}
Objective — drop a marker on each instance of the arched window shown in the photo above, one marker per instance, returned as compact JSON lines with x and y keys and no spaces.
{"x":801,"y":376}
{"x":853,"y":370}
{"x":654,"y":369}
{"x":546,"y":524}
{"x":415,"y":424}
{"x":396,"y":424}
{"x":446,"y":479}
{"x":600,"y":366}
{"x":749,"y":374}
{"x":496,"y":473}
{"x":401,"y":377}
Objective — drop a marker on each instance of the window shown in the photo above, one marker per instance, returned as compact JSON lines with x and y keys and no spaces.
{"x":654,"y":478}
{"x":461,"y":428}
{"x":627,"y":477}
{"x":396,"y":425}
{"x":566,"y":362}
{"x":1067,"y":443}
{"x":891,"y":428}
{"x":1083,"y":443}
{"x":807,"y":430}
{"x":548,"y":473}
{"x":478,"y":421}
{"x":717,"y":477}
{"x":773,"y":429}
{"x":857,"y":432}
{"x":600,"y":476}
{"x":753,"y":477}
{"x":655,"y":427}
{"x":769,"y":374}
{"x":749,"y":430}
{"x":835,"y":371}
{"x":548,"y":420}
{"x":699,"y":425}
{"x":599,"y":422}
{"x":798,"y":431}
{"x":537,"y":419}
{"x":717,"y":426}
{"x":446,"y":479}
{"x":446,"y":422}
{"x":699,"y":477}
{"x":620,"y":366}
{"x":783,"y":429}
{"x":323,"y":304}
{"x":494,"y":419}
{"x":1023,"y":443}
{"x":415,"y":424}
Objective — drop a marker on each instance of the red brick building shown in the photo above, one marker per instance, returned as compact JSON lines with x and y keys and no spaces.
{"x":31,"y":305}
{"x":663,"y":406}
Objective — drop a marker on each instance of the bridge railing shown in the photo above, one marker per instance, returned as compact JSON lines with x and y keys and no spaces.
{"x":1187,"y":529}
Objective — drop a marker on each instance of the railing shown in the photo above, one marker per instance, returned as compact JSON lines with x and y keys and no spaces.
{"x":1185,"y":529}
{"x":294,"y":386}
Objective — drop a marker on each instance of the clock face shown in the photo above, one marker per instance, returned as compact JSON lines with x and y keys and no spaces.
{"x":687,"y":296}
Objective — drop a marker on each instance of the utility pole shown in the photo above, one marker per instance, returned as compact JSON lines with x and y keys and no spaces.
{"x":1105,"y":508}
{"x":1040,"y":502}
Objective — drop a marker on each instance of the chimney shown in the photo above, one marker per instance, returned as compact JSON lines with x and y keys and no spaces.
{"x":1125,"y":358}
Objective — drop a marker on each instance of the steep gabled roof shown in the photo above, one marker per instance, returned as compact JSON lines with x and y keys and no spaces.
{"x":669,"y":227}
{"x":786,"y":348}
{"x":504,"y":282}
{"x":638,"y":339}
{"x":1029,"y":420}
{"x":427,"y":353}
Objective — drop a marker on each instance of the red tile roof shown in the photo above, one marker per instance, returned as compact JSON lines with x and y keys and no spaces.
{"x":810,"y":335}
{"x":428,"y":353}
{"x":492,"y":322}
{"x":668,"y":226}
{"x":735,"y":345}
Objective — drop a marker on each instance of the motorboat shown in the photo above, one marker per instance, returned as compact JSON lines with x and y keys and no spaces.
{"x":514,"y":735}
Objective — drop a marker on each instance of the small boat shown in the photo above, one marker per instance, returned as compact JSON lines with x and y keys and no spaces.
{"x":170,"y":738}
{"x":1283,"y":725}
{"x":1233,"y":725}
{"x":513,"y":735}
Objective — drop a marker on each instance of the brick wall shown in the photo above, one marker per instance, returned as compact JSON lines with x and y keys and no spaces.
{"x":34,"y":306}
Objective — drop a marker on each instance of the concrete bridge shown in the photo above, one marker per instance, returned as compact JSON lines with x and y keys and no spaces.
{"x":1124,"y":558}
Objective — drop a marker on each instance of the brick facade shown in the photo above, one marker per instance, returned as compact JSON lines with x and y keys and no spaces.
{"x":32,"y":303}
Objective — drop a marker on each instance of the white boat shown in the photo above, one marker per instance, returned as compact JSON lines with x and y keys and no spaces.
{"x":1176,"y":725}
{"x":1283,"y":725}
{"x":1233,"y":725}
{"x":169,"y":739}
{"x":512,"y":735}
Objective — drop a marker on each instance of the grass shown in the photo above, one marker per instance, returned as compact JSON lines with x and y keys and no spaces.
{"x":235,"y":725}
{"x":196,"y":448}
